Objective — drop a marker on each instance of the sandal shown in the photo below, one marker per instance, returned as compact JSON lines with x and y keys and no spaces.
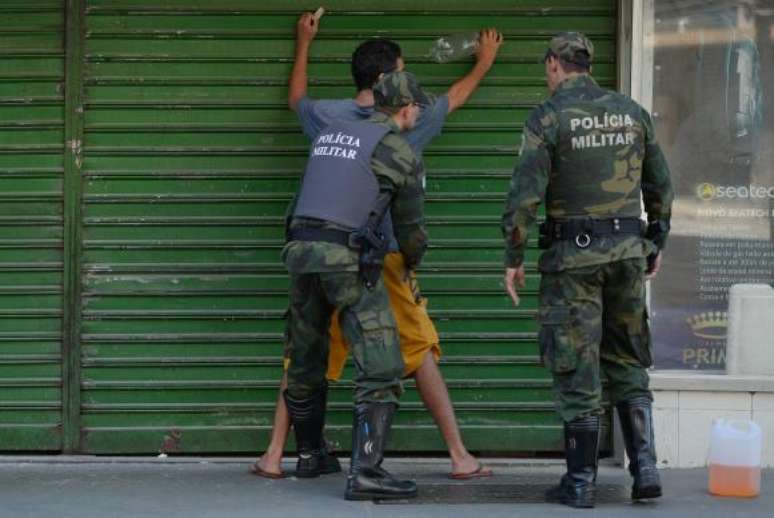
{"x":480,"y":472}
{"x":256,"y":469}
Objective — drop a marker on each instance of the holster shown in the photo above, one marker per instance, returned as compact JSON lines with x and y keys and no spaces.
{"x":370,"y":243}
{"x":373,"y":247}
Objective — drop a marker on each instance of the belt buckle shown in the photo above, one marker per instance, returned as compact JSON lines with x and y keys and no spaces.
{"x":583,"y":240}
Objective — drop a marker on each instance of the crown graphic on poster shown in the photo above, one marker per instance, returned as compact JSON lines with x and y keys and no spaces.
{"x":711,"y":324}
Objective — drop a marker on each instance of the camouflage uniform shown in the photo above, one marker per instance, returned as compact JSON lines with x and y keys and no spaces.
{"x":324,"y":277}
{"x":590,"y":153}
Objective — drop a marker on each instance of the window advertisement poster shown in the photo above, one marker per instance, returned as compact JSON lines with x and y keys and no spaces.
{"x":713,"y":109}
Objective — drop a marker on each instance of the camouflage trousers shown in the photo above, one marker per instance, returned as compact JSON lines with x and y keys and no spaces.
{"x":594,"y":323}
{"x":366,"y":322}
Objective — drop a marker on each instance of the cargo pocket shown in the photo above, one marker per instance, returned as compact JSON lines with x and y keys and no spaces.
{"x":557,"y":351}
{"x":379,"y":355}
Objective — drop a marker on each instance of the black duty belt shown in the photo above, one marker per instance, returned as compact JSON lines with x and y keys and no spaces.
{"x":327,"y":235}
{"x":582,"y":231}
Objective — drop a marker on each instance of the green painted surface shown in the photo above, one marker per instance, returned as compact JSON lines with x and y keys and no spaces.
{"x":31,"y":224}
{"x":190,"y":159}
{"x":161,"y":232}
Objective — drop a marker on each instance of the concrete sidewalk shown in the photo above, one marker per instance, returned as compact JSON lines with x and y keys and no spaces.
{"x":84,"y":487}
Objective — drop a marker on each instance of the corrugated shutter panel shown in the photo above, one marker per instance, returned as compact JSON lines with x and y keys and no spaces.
{"x":31,"y":223}
{"x":190,"y":159}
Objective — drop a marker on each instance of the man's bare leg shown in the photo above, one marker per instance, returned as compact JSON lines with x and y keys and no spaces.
{"x":432,"y":389}
{"x":271,"y":460}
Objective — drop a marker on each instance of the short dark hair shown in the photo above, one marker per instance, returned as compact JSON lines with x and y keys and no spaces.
{"x":568,"y":66}
{"x":373,"y":58}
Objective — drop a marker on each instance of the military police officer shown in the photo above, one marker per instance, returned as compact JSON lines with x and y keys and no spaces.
{"x":356,"y":170}
{"x":591,"y":155}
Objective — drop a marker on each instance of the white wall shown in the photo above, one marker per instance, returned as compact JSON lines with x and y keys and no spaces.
{"x":682,"y":417}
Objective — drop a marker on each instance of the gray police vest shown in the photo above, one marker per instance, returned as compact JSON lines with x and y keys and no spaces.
{"x":338,"y":184}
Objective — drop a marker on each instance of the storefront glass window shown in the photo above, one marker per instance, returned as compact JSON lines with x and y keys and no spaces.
{"x":713,"y":108}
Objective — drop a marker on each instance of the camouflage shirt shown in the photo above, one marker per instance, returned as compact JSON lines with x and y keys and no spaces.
{"x":587,"y":153}
{"x":399,"y":172}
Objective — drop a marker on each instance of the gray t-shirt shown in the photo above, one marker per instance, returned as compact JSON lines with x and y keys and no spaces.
{"x":315,"y":115}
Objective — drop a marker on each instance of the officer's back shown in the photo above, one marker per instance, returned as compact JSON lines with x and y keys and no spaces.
{"x":354,"y":172}
{"x":591,"y":155}
{"x":599,"y":143}
{"x":356,"y":169}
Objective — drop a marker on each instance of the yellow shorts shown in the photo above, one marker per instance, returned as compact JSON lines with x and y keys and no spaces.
{"x":416,"y":330}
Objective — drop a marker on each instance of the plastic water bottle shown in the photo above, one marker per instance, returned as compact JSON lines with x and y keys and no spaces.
{"x":735,"y":458}
{"x":454,"y":47}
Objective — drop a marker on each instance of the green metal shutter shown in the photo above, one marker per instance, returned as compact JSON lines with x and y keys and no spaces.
{"x":31,"y":223}
{"x":190,"y":157}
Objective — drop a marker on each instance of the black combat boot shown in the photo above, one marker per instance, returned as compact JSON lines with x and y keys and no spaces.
{"x":308,"y":418}
{"x":326,"y":461}
{"x":581,"y":445}
{"x":367,"y":479}
{"x":637,"y":424}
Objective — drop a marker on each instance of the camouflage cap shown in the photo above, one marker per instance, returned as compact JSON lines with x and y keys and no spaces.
{"x":398,"y":89}
{"x":573,"y":47}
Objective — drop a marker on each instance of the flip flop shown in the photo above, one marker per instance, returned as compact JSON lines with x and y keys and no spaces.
{"x":480,"y":472}
{"x":255,"y":469}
